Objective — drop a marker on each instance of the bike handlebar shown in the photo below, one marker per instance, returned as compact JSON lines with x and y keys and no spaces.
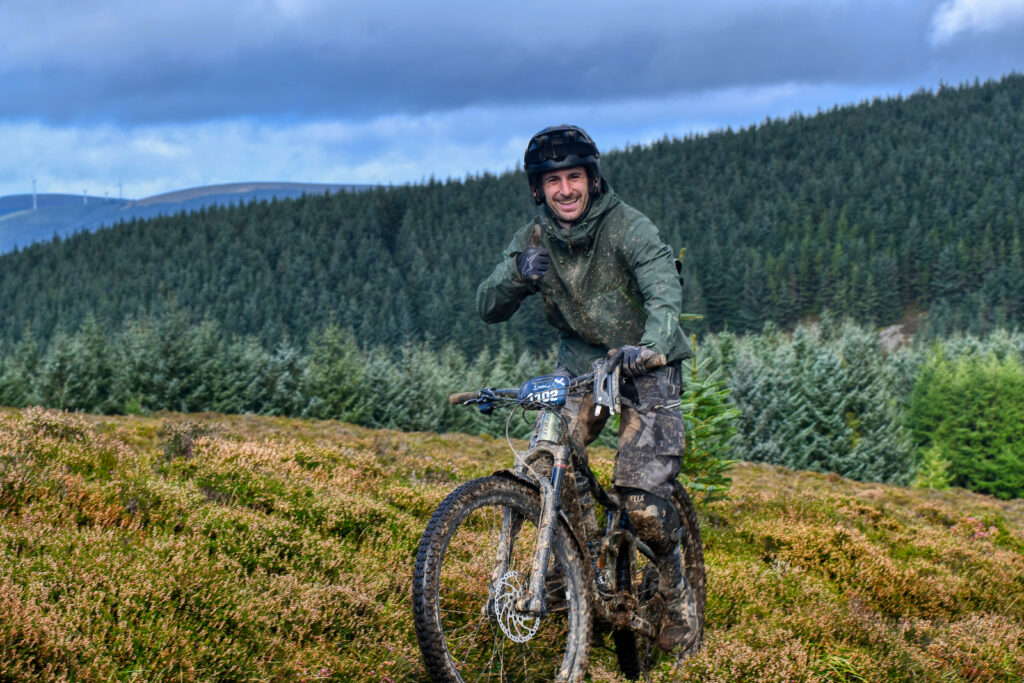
{"x":474,"y":395}
{"x":652,"y":363}
{"x":656,"y":362}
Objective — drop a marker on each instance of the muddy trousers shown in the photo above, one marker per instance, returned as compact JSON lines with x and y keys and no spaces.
{"x":651,"y":442}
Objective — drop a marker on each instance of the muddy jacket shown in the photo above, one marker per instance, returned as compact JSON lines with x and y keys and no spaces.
{"x":611,"y":281}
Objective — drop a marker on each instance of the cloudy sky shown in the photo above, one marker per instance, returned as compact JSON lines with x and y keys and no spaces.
{"x":165,"y":95}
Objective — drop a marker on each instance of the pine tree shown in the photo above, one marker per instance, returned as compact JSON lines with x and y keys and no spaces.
{"x":284,"y":381}
{"x":13,"y":386}
{"x":934,"y":470}
{"x":710,"y":420}
{"x":17,"y":372}
{"x":242,"y":384}
{"x":334,"y":382}
{"x":820,"y":401}
{"x":755,"y":303}
{"x":972,"y":410}
{"x":52,"y":384}
{"x":90,"y":382}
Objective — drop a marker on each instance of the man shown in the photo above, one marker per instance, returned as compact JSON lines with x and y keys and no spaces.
{"x":608,"y":282}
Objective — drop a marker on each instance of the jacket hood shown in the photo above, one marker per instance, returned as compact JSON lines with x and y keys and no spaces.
{"x":582,"y":234}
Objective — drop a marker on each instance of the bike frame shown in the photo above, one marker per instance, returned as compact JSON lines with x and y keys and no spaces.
{"x":550,"y":440}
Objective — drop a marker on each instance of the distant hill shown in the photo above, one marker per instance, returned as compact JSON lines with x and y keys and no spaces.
{"x":14,"y":203}
{"x":64,"y":214}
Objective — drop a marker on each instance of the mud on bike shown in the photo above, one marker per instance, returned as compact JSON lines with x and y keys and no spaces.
{"x":507,"y":584}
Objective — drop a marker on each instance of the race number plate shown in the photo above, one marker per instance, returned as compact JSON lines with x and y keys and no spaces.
{"x":550,"y":390}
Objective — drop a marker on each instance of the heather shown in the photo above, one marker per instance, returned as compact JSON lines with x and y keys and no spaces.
{"x":214,"y":547}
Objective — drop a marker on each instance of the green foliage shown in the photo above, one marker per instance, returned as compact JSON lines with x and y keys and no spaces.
{"x":335,"y":377}
{"x":970,"y":411}
{"x":865,"y":210}
{"x":710,"y":425}
{"x":818,"y":400}
{"x":823,"y":398}
{"x":18,"y":372}
{"x":933,"y":470}
{"x":77,"y":372}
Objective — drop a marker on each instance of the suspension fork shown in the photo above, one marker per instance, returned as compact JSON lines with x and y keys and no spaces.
{"x":549,"y":438}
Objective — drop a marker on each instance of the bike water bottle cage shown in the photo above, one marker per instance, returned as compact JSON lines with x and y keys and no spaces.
{"x":549,"y":390}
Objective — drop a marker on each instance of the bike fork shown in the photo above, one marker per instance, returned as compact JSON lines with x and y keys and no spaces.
{"x":551,"y":491}
{"x":548,"y":438}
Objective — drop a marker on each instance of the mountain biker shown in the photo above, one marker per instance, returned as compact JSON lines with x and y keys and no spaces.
{"x":608,"y":282}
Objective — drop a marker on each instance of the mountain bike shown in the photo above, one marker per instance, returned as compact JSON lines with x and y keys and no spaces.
{"x":508,"y":585}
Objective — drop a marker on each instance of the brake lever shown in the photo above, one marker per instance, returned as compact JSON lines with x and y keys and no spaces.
{"x":606,"y":386}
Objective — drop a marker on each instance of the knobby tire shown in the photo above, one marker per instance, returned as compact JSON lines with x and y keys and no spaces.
{"x":458,"y":635}
{"x":637,"y":654}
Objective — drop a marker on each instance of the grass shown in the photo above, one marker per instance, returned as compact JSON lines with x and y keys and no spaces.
{"x":211,"y":547}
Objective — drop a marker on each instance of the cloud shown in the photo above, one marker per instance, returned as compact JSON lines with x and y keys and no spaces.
{"x":955,"y":17}
{"x":161,"y":62}
{"x":390,"y":149}
{"x":164,"y":95}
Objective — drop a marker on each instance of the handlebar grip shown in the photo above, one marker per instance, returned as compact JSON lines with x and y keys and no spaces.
{"x":455,"y":399}
{"x":656,"y":362}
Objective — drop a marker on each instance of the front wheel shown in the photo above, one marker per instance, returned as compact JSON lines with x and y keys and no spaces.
{"x":466,"y":619}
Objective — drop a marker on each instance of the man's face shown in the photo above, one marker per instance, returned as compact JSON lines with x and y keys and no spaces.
{"x":567,"y":193}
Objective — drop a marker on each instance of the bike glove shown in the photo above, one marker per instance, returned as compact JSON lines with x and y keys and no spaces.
{"x":634,"y":360}
{"x":532,"y":263}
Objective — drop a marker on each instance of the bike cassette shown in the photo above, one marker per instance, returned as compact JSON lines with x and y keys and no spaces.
{"x":517,"y":626}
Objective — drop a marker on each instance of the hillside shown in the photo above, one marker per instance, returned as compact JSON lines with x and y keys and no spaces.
{"x":63,"y":214}
{"x":869,"y":210}
{"x":14,"y":203}
{"x":246,"y":548}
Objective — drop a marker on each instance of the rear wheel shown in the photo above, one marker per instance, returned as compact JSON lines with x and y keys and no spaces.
{"x":466,"y":619}
{"x":635,"y":652}
{"x":693,"y":556}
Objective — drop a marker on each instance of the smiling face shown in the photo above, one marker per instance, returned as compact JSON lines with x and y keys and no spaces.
{"x":567,"y":193}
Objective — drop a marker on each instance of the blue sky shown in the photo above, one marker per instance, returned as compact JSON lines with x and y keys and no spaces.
{"x":166,"y":95}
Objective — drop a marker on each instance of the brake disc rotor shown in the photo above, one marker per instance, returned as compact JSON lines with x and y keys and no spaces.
{"x":517,"y":626}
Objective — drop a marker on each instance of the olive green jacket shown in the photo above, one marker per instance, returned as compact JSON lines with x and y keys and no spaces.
{"x":611,"y":281}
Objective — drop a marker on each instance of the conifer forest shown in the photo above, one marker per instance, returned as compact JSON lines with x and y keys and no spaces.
{"x":803,"y":237}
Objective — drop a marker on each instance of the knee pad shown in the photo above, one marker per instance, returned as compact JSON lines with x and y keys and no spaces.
{"x":654,"y":518}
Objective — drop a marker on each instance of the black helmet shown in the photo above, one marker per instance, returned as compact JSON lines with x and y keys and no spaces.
{"x":558,"y":147}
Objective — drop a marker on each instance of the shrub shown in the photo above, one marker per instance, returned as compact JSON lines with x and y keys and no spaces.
{"x":972,"y":410}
